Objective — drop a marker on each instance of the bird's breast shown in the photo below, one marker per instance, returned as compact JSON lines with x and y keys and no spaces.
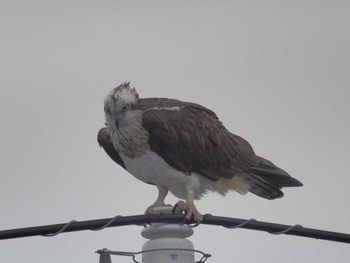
{"x":151,"y":168}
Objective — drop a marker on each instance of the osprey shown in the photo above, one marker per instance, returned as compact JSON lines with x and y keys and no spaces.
{"x":182,"y":147}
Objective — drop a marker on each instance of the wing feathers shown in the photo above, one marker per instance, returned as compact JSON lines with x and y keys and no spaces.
{"x":105,"y":141}
{"x":192,"y":139}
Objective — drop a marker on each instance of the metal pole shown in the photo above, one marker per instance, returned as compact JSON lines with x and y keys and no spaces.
{"x":167,"y":242}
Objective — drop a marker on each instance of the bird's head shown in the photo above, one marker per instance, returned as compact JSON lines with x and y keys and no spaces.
{"x":119,"y":106}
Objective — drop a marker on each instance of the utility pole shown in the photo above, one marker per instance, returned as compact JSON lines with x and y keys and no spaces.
{"x":167,"y":242}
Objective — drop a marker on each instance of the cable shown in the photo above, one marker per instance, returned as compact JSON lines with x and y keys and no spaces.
{"x":61,"y":230}
{"x":107,"y":224}
{"x":286,"y":230}
{"x":99,"y":224}
{"x":242,"y":224}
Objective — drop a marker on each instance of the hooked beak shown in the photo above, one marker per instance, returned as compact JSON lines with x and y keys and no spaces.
{"x":117,"y":124}
{"x":116,"y":118}
{"x":113,"y":123}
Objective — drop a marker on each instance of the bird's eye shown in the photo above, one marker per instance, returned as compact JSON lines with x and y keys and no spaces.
{"x":107,"y":110}
{"x":125,"y":108}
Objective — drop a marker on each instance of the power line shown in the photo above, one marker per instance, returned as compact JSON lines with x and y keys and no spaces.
{"x":99,"y":224}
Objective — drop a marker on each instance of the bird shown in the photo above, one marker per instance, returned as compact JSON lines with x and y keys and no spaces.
{"x":184,"y":148}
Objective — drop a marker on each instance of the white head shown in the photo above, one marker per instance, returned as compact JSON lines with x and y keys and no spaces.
{"x":118,"y":105}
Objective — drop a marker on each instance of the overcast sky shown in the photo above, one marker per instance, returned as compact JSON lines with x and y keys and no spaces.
{"x":275,"y":72}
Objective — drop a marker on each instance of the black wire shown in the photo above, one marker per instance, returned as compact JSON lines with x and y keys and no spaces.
{"x":227,"y":222}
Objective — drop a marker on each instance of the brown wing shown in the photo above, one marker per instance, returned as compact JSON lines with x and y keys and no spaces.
{"x":191,"y":138}
{"x":104,"y":140}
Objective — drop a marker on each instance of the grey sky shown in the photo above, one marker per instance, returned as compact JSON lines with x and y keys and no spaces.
{"x":275,"y":72}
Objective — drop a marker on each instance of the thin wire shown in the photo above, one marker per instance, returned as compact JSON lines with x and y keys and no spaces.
{"x":242,"y":224}
{"x":107,"y":224}
{"x":153,"y":219}
{"x":286,"y":230}
{"x":205,"y":256}
{"x":197,"y":223}
{"x":61,"y":230}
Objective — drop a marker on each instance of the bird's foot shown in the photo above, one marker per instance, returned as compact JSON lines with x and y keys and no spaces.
{"x":155,"y":205}
{"x":190,"y":210}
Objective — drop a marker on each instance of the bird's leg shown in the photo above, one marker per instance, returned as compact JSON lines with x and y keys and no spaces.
{"x":162,"y":193}
{"x":190,"y":208}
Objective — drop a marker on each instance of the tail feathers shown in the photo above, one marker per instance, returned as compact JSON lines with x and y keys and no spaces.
{"x":261,"y":187}
{"x":266,"y":179}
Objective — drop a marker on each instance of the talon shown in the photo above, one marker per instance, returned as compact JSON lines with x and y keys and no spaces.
{"x":188,"y":216}
{"x":190,"y":210}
